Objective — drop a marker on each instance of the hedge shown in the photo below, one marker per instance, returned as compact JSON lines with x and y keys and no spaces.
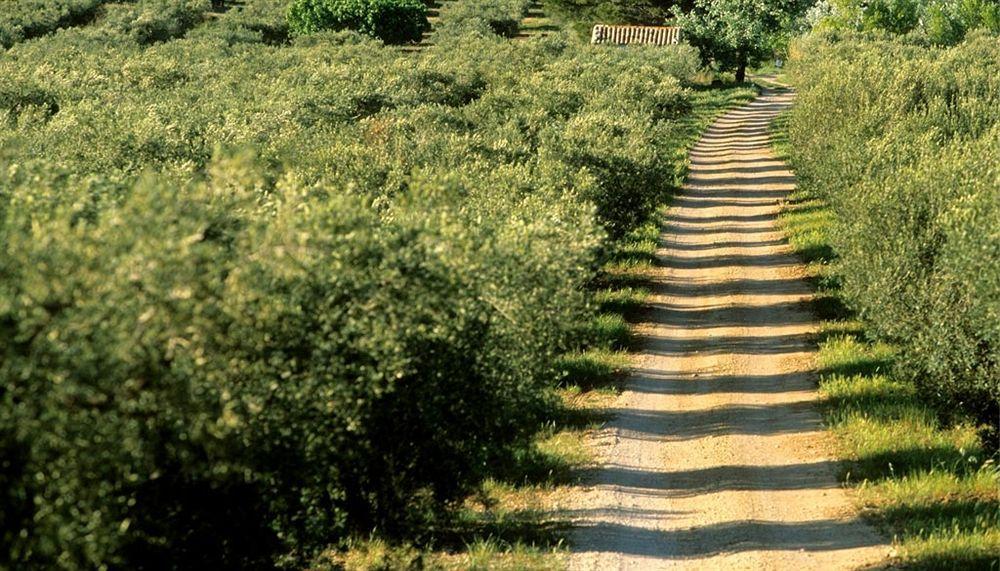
{"x":903,"y":142}
{"x":393,"y":21}
{"x":25,"y":19}
{"x":280,"y":295}
{"x":194,"y":377}
{"x":500,"y":17}
{"x":154,"y":21}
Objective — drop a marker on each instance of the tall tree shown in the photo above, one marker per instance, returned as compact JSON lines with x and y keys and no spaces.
{"x":735,"y":34}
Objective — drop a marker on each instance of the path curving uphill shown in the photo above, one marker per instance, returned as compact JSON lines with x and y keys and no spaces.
{"x":716,"y":458}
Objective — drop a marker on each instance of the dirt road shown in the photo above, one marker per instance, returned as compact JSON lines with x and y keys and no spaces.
{"x":717,"y":459}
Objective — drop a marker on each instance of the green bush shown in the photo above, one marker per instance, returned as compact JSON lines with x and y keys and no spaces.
{"x":17,"y":98}
{"x":902,"y":143}
{"x":392,"y":21}
{"x":896,"y":16}
{"x":499,"y":17}
{"x":937,"y":22}
{"x":260,"y":21}
{"x":24,"y":19}
{"x":188,"y":379}
{"x":150,"y":21}
{"x":336,"y":304}
{"x":105,"y":321}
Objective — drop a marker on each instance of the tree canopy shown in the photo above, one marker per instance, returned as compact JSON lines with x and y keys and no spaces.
{"x":736,"y":33}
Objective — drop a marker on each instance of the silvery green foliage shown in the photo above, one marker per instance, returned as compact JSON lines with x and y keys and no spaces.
{"x":279,"y":293}
{"x":24,"y":19}
{"x":904,"y":144}
{"x":500,"y":17}
{"x":818,"y":12}
{"x":939,"y":22}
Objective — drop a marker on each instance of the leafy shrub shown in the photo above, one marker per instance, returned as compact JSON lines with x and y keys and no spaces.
{"x":23,"y":19}
{"x":103,"y":325}
{"x":619,"y":138}
{"x":151,"y":21}
{"x":903,"y":145}
{"x":619,"y":161}
{"x":939,"y":22}
{"x":352,"y":241}
{"x":947,"y":22}
{"x":261,"y":21}
{"x":393,"y":21}
{"x":17,"y":98}
{"x":500,"y":17}
{"x":896,"y":16}
{"x":253,"y":372}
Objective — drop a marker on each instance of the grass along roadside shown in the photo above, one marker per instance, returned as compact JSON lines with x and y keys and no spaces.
{"x":514,"y":521}
{"x":927,"y":485}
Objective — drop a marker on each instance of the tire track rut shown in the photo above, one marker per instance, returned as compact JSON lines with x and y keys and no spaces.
{"x":717,"y":457}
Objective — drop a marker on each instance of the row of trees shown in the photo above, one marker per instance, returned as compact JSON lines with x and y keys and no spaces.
{"x":733,"y":35}
{"x":286,"y":292}
{"x":730,"y":34}
{"x":902,"y":142}
{"x":938,"y":22}
{"x":736,"y":34}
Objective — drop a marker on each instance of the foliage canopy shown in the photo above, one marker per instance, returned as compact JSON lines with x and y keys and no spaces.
{"x":392,"y":21}
{"x":291,"y":289}
{"x":735,"y":34}
{"x":939,"y":22}
{"x":903,"y":142}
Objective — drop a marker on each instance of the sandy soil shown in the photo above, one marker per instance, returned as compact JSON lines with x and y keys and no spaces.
{"x":717,"y":458}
